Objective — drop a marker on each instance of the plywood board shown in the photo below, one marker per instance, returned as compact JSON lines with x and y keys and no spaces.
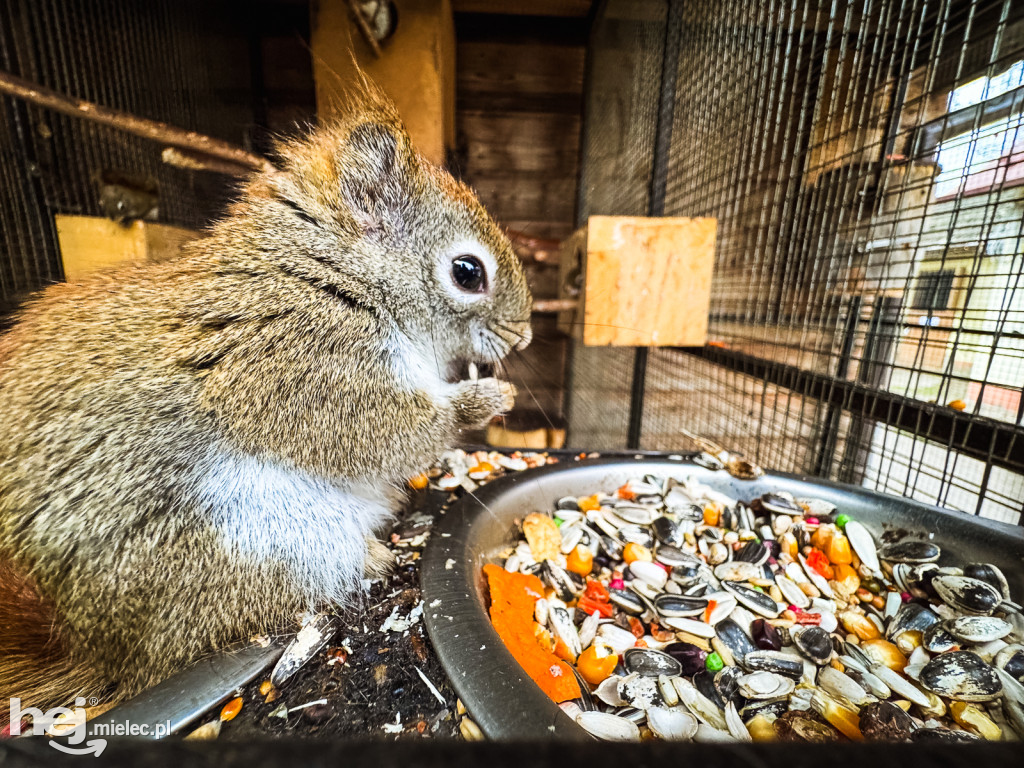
{"x":90,"y":243}
{"x":548,"y":69}
{"x":647,"y":281}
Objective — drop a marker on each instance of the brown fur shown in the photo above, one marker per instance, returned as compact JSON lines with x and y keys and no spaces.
{"x":192,"y":451}
{"x":38,"y":666}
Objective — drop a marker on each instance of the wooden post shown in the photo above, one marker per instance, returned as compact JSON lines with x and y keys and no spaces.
{"x":415,"y":68}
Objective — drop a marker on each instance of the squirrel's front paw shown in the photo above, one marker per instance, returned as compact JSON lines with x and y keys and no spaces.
{"x":479,"y":400}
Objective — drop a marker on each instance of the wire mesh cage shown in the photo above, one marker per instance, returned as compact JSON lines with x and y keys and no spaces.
{"x":865,"y":163}
{"x":185,"y":63}
{"x":618,"y":148}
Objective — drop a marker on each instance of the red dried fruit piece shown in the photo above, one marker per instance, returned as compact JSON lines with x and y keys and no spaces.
{"x":596,"y":591}
{"x":588,"y":607}
{"x":624,"y":492}
{"x":817,"y":561}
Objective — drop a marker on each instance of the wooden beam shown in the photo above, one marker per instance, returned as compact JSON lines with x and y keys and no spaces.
{"x":551,"y":200}
{"x":510,"y":29}
{"x":525,"y":69}
{"x":569,"y":104}
{"x":490,"y":158}
{"x":524,"y":7}
{"x":521,"y":131}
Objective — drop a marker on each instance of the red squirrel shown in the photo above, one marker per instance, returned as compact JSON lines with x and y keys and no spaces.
{"x":194,"y":450}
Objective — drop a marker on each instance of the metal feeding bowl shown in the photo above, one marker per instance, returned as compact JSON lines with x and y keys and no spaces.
{"x":499,"y":695}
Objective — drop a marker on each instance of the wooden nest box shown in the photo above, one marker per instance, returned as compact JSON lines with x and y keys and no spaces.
{"x":639,"y":282}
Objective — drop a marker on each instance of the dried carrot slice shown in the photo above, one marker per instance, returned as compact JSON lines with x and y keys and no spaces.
{"x":513,"y":596}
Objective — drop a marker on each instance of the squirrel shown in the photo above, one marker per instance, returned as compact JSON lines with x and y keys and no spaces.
{"x":195,"y":450}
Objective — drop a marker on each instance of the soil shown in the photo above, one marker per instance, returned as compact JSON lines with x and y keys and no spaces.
{"x":366,"y":680}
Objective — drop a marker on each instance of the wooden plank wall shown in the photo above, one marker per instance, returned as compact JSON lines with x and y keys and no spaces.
{"x":519,"y":93}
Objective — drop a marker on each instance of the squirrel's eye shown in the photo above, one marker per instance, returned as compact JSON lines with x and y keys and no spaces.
{"x":469,"y":273}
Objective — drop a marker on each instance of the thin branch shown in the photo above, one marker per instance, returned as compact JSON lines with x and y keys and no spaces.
{"x":190,"y":141}
{"x":199,"y":161}
{"x":555,"y":305}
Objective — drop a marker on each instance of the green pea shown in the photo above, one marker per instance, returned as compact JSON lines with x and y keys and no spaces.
{"x":713,"y":662}
{"x":842,"y":520}
{"x":559,"y":521}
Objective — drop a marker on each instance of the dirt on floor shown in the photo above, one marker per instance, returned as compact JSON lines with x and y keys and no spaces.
{"x":379,"y":676}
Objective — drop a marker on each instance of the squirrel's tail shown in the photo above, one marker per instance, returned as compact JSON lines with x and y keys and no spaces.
{"x":35,"y":660}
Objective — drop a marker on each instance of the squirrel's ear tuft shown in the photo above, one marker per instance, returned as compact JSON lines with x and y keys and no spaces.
{"x":374,"y":166}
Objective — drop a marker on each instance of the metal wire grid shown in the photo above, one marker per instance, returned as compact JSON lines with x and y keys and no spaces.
{"x":623,"y":87}
{"x":844,"y":149}
{"x":161,"y":59}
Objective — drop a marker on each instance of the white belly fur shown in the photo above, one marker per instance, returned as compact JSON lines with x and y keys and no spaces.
{"x":319,"y":530}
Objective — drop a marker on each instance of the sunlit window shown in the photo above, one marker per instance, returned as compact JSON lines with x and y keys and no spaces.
{"x":989,"y":156}
{"x":985,"y":88}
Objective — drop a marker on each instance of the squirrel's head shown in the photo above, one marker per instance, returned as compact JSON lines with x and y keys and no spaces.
{"x":357,"y":213}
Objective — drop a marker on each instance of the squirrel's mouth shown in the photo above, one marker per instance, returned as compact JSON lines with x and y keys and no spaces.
{"x":465,"y":369}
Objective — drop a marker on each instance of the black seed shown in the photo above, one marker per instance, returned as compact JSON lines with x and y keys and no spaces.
{"x":910,"y":551}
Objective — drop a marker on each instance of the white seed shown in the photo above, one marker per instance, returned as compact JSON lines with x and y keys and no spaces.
{"x":793,"y":594}
{"x":668,"y":691}
{"x":829,"y":622}
{"x":619,"y":639}
{"x":893,"y":601}
{"x":608,"y":691}
{"x":672,"y":724}
{"x":608,"y":727}
{"x":470,"y":731}
{"x":863,"y":544}
{"x":707,"y":734}
{"x":650,"y":573}
{"x":588,"y":629}
{"x":735,"y":723}
{"x":843,"y":687}
{"x":694,"y":627}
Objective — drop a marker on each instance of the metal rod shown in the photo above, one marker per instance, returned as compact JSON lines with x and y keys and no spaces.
{"x":1000,"y":443}
{"x":138,"y":126}
{"x":830,"y":430}
{"x":636,"y":400}
{"x":656,"y":204}
{"x":874,"y":372}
